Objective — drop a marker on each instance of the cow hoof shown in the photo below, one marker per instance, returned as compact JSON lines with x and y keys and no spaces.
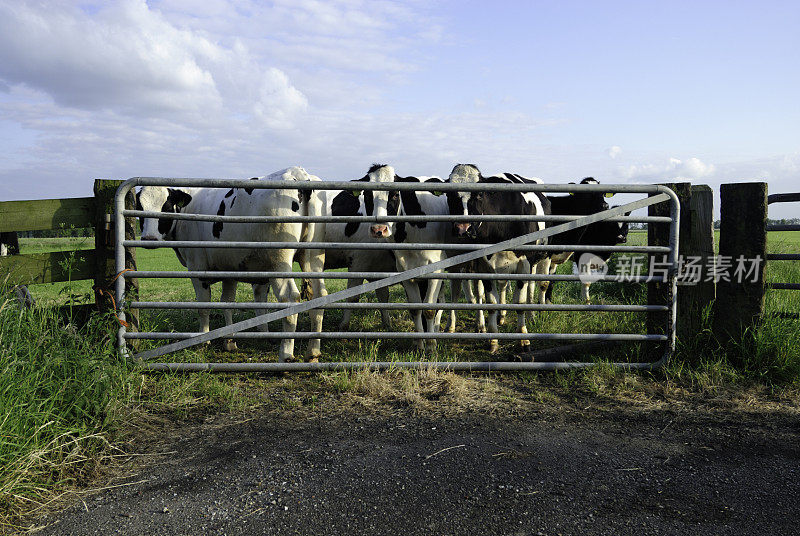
{"x":481,"y":329}
{"x":230,"y":346}
{"x":501,"y":321}
{"x":524,"y":344}
{"x":314,"y":360}
{"x":494,"y":347}
{"x":451,"y":329}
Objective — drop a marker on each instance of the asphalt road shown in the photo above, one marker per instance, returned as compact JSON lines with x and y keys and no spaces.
{"x":619,"y":471}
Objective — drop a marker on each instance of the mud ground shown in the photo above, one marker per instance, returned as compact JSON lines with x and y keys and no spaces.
{"x":563,"y":470}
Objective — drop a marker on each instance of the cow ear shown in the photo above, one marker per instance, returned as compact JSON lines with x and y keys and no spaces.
{"x":179,"y":198}
{"x":609,"y":194}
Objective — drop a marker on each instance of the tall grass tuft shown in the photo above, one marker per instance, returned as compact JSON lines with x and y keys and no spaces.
{"x":59,"y":386}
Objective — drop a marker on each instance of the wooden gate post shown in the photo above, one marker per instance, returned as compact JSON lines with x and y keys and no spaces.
{"x":698,"y":246}
{"x":658,"y":235}
{"x":106,"y":272}
{"x":743,"y":234}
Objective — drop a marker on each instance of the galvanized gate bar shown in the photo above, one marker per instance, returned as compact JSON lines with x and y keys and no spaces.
{"x":394,"y":186}
{"x":665,"y":195}
{"x":378,"y":275}
{"x":151,"y":244}
{"x":376,"y":219}
{"x":407,"y":305}
{"x":632,"y":337}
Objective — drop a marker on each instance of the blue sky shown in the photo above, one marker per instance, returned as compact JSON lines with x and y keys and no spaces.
{"x":622,"y":91}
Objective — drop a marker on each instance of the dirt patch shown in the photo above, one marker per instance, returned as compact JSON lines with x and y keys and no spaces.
{"x":478,"y":457}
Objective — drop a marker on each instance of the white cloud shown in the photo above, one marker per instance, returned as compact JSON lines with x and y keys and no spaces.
{"x":129,"y":59}
{"x":674,"y":169}
{"x":614,"y":151}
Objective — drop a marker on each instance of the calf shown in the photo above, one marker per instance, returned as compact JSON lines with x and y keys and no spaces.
{"x":412,"y":203}
{"x":510,"y":262}
{"x":603,"y":233}
{"x":243,"y":202}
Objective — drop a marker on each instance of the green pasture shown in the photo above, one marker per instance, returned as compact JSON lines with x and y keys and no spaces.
{"x":553,"y":322}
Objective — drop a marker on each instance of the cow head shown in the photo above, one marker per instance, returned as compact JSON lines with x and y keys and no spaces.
{"x":381,"y":203}
{"x":621,"y":228}
{"x":159,"y":199}
{"x":590,"y":202}
{"x":457,"y":202}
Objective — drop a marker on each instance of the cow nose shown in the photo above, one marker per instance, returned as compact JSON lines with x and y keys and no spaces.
{"x":149,"y":238}
{"x":463,"y":229}
{"x":379,"y":231}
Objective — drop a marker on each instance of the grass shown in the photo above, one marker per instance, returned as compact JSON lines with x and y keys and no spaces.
{"x":65,"y":398}
{"x":59,"y":390}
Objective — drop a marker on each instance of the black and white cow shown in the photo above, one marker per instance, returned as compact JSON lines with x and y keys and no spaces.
{"x":357,"y":203}
{"x":413,"y":204}
{"x":603,"y":233}
{"x":508,"y":262}
{"x":243,"y":202}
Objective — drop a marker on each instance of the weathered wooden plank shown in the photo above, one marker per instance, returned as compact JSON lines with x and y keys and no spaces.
{"x":48,"y":267}
{"x":695,"y":296}
{"x":44,"y":214}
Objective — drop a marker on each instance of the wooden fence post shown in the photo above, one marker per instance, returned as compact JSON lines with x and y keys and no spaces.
{"x":658,"y":235}
{"x":697,"y":242}
{"x":106,"y":272}
{"x":743,"y":235}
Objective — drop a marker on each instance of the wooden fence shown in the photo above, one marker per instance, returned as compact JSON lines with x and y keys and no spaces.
{"x":743,"y":232}
{"x":95,"y":264}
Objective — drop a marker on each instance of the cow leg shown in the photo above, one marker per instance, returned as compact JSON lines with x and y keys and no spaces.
{"x":285,"y":290}
{"x":585,"y":292}
{"x":494,"y":346}
{"x":502,"y":291}
{"x":344,"y":323}
{"x":479,"y":298}
{"x":433,"y":315}
{"x":313,"y":260}
{"x":474,"y":297}
{"x":520,"y":297}
{"x":202,"y":292}
{"x":543,"y":267}
{"x":228,"y":295}
{"x":383,"y":297}
{"x":455,"y":292}
{"x":314,"y":348}
{"x":523,"y":267}
{"x":413,"y":296}
{"x":260,"y":292}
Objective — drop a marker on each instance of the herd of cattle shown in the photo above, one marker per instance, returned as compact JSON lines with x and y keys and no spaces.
{"x":380,"y":204}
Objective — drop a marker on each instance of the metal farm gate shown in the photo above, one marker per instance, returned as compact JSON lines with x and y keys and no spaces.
{"x":650,"y":195}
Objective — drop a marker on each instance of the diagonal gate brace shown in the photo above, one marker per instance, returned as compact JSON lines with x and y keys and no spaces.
{"x":399,"y":278}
